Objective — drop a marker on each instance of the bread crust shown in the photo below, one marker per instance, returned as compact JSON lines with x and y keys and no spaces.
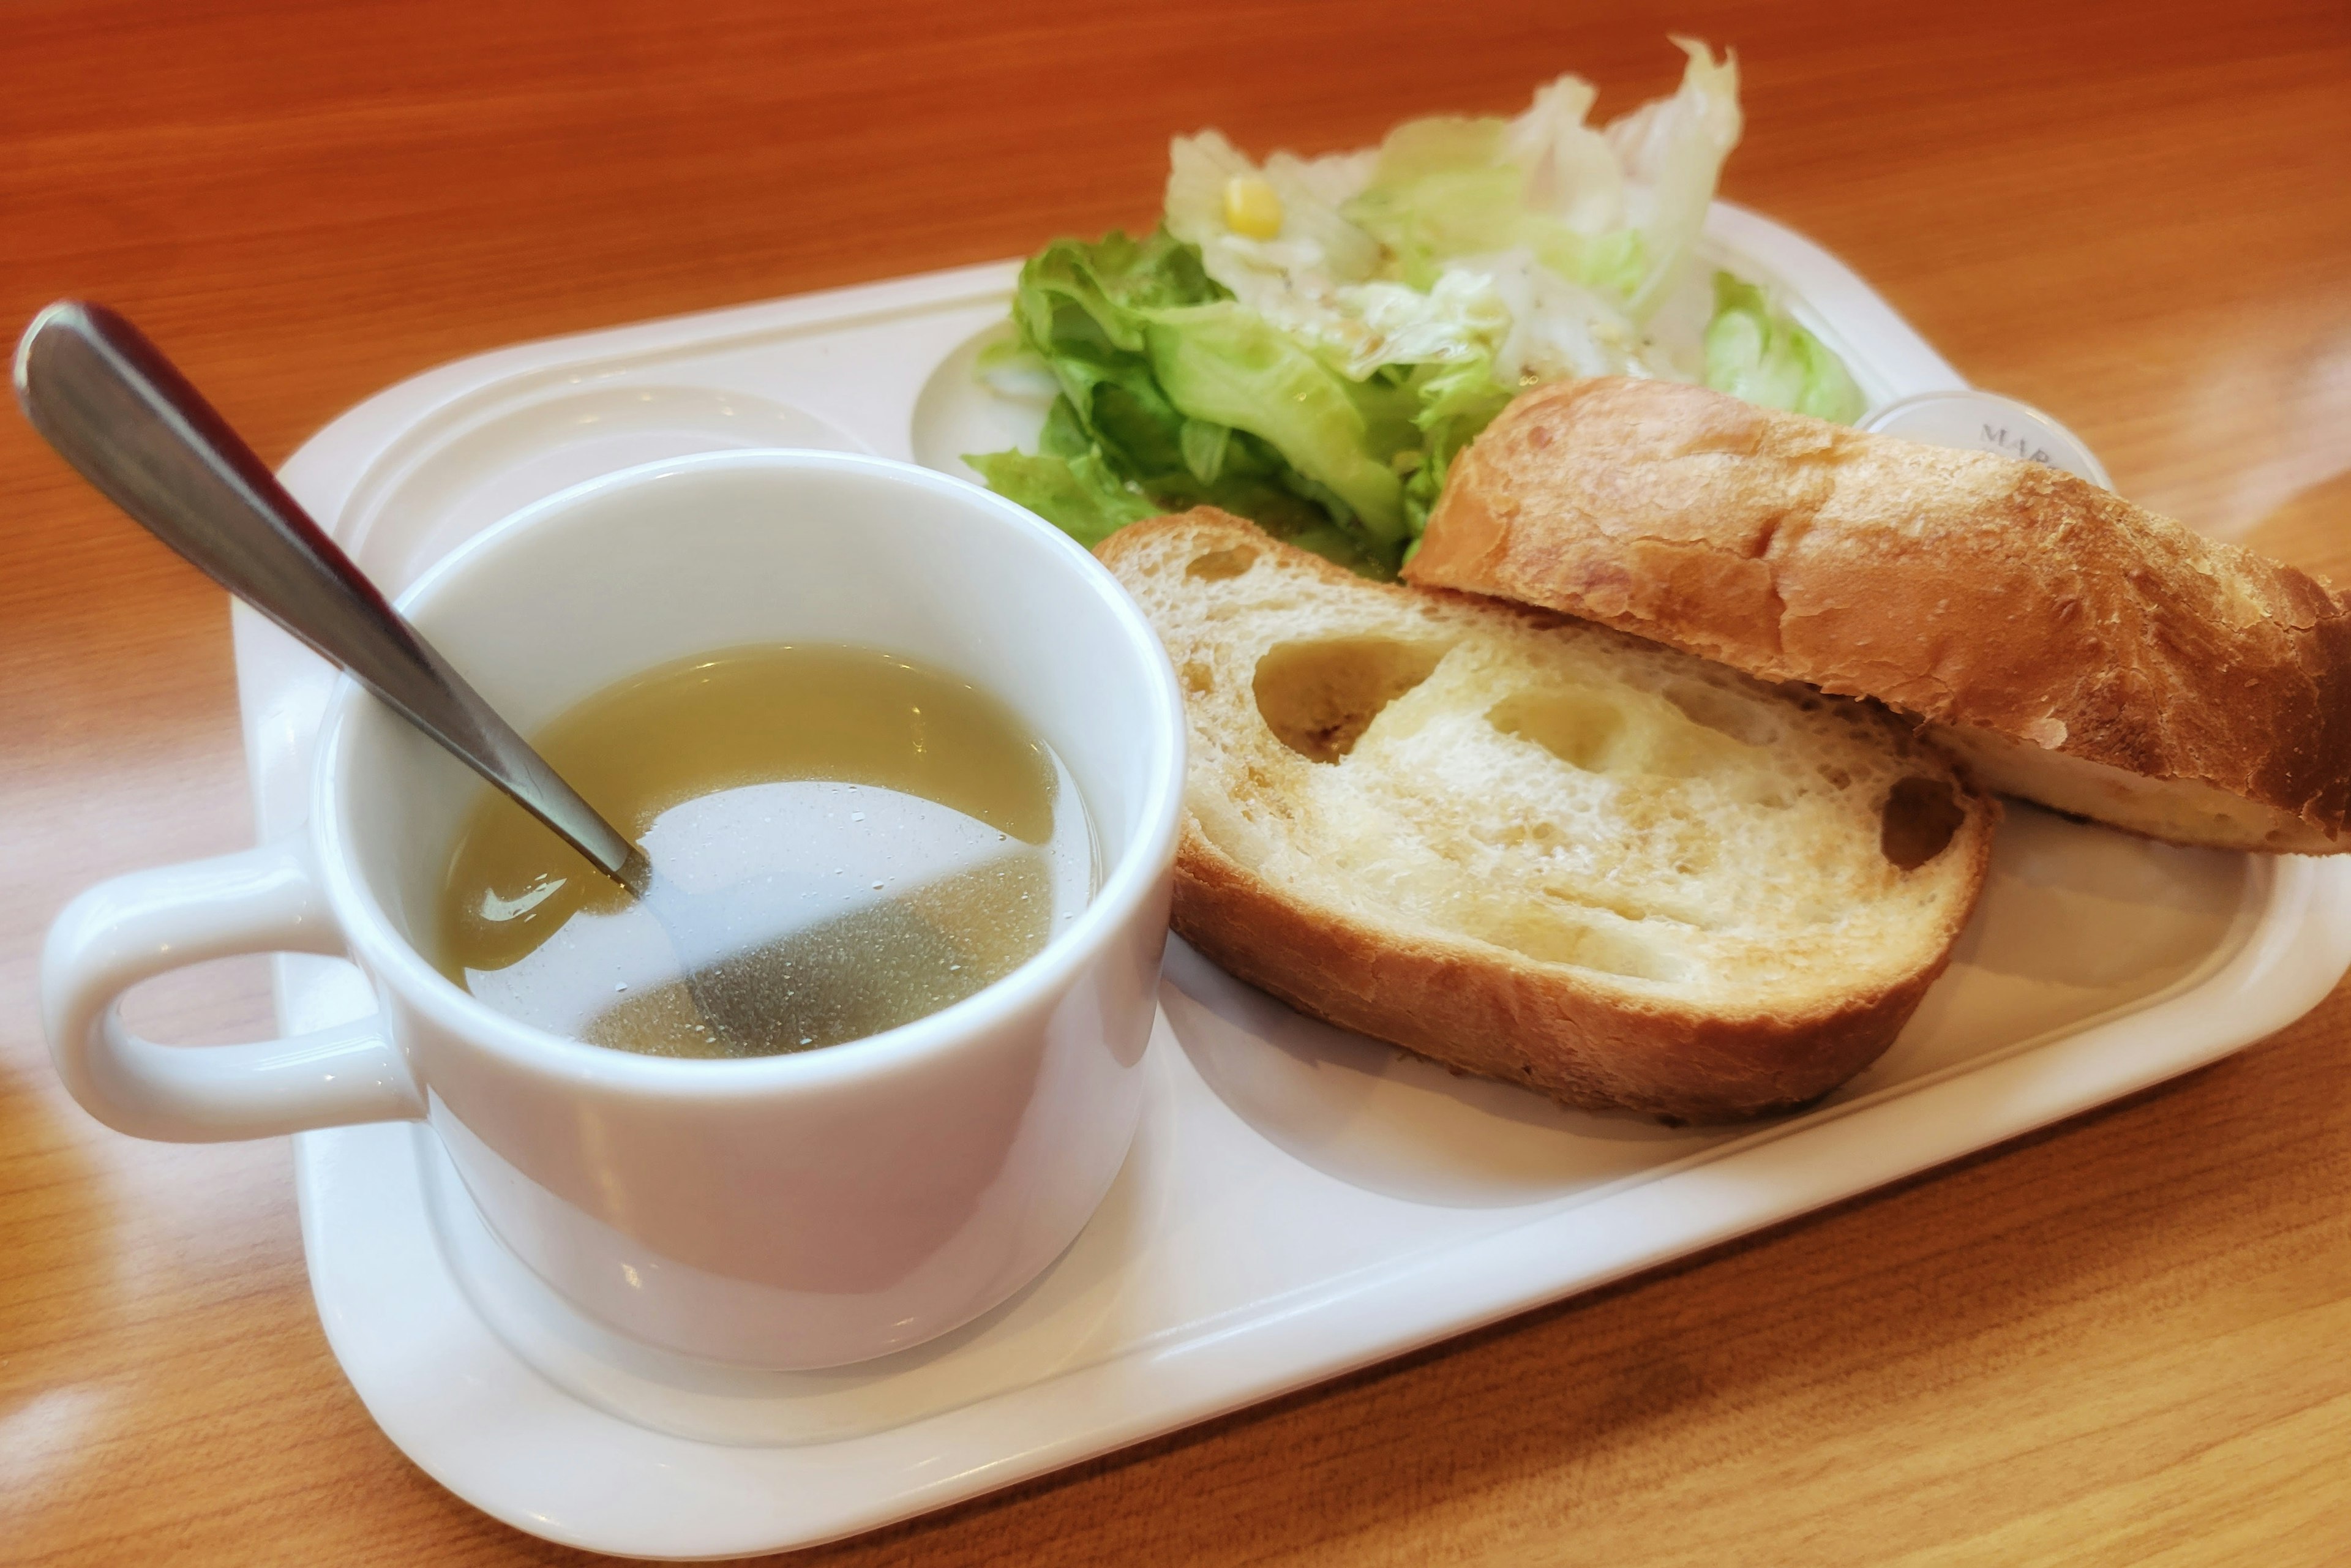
{"x":1582,"y":1044}
{"x":1965,"y":588}
{"x":1574,"y":1034}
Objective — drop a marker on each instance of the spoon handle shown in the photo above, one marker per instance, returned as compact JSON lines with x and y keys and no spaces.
{"x":120,"y":412}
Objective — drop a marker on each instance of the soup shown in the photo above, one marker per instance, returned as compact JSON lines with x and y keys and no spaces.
{"x":843,"y":841}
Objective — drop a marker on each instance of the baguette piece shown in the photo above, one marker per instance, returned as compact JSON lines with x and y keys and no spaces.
{"x":2073,"y":648}
{"x":1538,"y":850}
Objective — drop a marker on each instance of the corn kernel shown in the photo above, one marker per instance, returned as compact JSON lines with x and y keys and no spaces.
{"x":1252,"y":207}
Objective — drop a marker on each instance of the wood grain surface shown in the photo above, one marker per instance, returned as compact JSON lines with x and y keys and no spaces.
{"x":2121,"y":1340}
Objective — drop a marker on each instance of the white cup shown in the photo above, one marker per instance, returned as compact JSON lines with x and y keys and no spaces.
{"x":790,"y":1211}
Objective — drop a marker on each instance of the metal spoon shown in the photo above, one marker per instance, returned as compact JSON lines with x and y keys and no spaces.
{"x":120,"y":412}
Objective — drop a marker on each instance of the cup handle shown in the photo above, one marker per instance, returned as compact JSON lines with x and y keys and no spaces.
{"x":265,"y":900}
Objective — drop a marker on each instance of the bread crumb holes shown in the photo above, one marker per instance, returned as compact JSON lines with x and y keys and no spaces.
{"x":1723,"y":713}
{"x":1582,"y":728}
{"x":1218,"y":565}
{"x":1919,"y":820}
{"x":1319,"y":698}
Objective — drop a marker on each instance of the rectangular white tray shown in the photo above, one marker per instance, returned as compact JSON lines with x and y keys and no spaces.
{"x":1300,"y":1202}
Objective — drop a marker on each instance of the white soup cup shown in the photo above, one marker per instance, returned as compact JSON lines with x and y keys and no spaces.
{"x":790,"y":1211}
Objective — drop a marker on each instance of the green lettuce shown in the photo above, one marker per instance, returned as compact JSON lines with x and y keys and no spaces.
{"x":1170,"y":394}
{"x":1321,"y":375}
{"x":1067,"y":481}
{"x":1225,"y":365}
{"x":1445,"y":188}
{"x":1756,"y":351}
{"x":1453,"y":404}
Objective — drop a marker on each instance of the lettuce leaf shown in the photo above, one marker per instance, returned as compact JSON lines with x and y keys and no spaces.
{"x":1227,"y":365}
{"x":1443,"y":190}
{"x":1067,"y":481}
{"x":1171,"y":395}
{"x":1672,"y":151}
{"x":1757,"y":351}
{"x":1617,"y":211}
{"x":1454,"y":404}
{"x":1438,"y":190}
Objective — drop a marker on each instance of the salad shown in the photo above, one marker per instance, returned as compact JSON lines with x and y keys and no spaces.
{"x":1309,"y":342}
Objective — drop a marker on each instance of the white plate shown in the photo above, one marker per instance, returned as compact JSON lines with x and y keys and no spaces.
{"x":1299,"y":1201}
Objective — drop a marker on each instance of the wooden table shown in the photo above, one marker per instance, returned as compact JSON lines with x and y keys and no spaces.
{"x":2121,"y":1340}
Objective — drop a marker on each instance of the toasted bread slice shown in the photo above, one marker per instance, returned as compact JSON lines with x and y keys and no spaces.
{"x":2075,"y":649}
{"x":1536,"y":849}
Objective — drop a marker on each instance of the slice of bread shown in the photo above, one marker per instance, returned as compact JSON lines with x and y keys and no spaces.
{"x":1536,"y":849}
{"x":2073,"y":648}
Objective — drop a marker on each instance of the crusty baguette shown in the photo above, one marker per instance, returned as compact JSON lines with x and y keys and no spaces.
{"x":1535,"y":848}
{"x":2073,"y":648}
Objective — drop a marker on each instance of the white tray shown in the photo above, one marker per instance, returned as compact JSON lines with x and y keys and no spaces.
{"x":1299,"y":1201}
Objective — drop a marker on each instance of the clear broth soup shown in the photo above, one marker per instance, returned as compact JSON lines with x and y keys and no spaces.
{"x":856,"y":839}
